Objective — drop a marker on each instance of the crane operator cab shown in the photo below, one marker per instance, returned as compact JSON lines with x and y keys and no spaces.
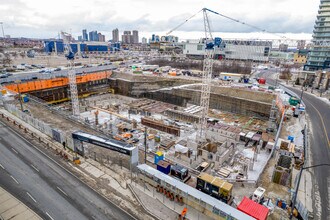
{"x":216,"y":43}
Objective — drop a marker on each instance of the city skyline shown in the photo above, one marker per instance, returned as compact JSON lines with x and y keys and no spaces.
{"x":31,"y":19}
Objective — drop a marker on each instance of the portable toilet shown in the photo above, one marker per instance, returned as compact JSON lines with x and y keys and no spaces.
{"x":159,"y":156}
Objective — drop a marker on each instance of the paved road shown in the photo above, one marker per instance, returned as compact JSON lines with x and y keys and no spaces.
{"x":45,"y":186}
{"x":319,"y":113}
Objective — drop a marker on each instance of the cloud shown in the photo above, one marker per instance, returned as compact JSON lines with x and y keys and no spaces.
{"x":37,"y":18}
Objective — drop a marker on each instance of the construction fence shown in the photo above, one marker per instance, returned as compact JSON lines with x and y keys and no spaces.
{"x":43,"y":127}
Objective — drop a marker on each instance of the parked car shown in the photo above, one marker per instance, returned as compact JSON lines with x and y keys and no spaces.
{"x":135,"y":140}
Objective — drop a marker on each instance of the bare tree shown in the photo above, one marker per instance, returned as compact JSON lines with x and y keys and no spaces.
{"x":285,"y":74}
{"x":22,"y":54}
{"x":7,"y":61}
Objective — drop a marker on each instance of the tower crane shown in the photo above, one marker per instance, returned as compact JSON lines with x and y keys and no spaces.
{"x":69,"y":54}
{"x":210,"y":45}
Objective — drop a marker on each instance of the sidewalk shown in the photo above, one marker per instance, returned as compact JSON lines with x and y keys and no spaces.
{"x":158,"y":204}
{"x":12,"y":208}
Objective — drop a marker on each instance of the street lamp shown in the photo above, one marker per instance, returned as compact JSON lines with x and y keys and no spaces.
{"x":297,"y":186}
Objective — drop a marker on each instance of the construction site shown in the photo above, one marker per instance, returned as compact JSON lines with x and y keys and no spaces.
{"x":191,"y":140}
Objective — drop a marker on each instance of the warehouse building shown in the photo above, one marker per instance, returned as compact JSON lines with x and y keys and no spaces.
{"x":57,"y":46}
{"x":254,"y":50}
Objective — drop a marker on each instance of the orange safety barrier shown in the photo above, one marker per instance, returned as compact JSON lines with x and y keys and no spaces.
{"x":56,"y":82}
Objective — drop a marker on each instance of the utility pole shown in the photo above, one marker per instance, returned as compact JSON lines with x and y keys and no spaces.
{"x":145,"y":145}
{"x":19,"y":96}
{"x":297,"y":186}
{"x":302,"y":88}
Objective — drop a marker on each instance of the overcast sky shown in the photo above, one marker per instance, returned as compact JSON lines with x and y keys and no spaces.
{"x":45,"y":18}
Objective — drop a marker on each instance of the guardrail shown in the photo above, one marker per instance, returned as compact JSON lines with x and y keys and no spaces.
{"x":49,"y":144}
{"x":291,"y":93}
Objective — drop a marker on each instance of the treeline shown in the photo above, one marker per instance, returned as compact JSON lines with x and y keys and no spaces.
{"x":218,"y":67}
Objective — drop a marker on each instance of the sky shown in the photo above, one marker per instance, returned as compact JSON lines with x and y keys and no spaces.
{"x":46,"y":18}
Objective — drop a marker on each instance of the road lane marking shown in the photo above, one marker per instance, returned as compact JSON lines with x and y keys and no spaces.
{"x":14,"y":179}
{"x":2,"y":166}
{"x":68,"y":171}
{"x":31,"y":197}
{"x":34,"y":168}
{"x":49,"y":216}
{"x":14,"y":150}
{"x":325,"y":130}
{"x":61,"y":190}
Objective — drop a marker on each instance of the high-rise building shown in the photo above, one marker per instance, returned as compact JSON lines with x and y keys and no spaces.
{"x":93,"y":36}
{"x":144,"y":40}
{"x":135,"y":37}
{"x":127,"y":38}
{"x":301,"y":44}
{"x":80,"y":38}
{"x":319,"y":57}
{"x":115,"y":35}
{"x":283,"y":47}
{"x":84,"y":35}
{"x":101,"y":37}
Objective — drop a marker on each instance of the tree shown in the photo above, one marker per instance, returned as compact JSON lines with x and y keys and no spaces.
{"x":22,"y":54}
{"x":6,"y":61}
{"x":15,"y":55}
{"x":285,"y":74}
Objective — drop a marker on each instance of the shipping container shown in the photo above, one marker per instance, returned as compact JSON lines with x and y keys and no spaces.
{"x":215,"y":186}
{"x":179,"y":172}
{"x":164,"y":167}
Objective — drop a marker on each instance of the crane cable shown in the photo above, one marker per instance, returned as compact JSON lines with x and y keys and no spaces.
{"x":182,"y":23}
{"x":229,"y":18}
{"x":244,"y":23}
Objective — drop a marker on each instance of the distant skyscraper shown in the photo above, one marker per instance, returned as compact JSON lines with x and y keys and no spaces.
{"x":301,"y":44}
{"x":84,"y":35}
{"x":135,"y":37}
{"x":80,"y":38}
{"x":93,"y":36}
{"x":319,"y":57}
{"x":127,"y":38}
{"x":115,"y":35}
{"x":101,"y":37}
{"x":144,"y":40}
{"x":283,"y":47}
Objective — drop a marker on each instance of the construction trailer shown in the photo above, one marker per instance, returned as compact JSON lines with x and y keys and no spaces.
{"x":185,"y":194}
{"x":215,"y":187}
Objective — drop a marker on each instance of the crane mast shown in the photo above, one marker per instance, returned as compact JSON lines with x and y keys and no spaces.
{"x":69,"y":54}
{"x":206,"y":79}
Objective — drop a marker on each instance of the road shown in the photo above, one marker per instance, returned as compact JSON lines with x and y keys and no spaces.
{"x":47,"y":187}
{"x":319,"y":114}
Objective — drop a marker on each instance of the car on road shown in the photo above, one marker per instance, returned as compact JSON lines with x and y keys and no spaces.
{"x":41,"y":71}
{"x":57,"y":69}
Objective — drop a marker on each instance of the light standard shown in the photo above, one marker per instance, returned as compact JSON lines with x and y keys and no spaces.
{"x":297,"y":186}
